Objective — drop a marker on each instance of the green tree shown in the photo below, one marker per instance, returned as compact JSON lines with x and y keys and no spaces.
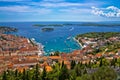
{"x":112,"y":63}
{"x":16,"y":73}
{"x":73,"y":64}
{"x":27,"y":75}
{"x":78,"y":70}
{"x":85,"y":71}
{"x":64,"y":74}
{"x":24,"y":75}
{"x":118,"y":62}
{"x":86,"y":77}
{"x":36,"y":74}
{"x":104,"y":73}
{"x":44,"y":73}
{"x":4,"y":76}
{"x":73,"y":74}
{"x":101,"y":63}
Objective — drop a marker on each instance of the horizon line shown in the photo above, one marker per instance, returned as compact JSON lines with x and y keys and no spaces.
{"x":60,"y":21}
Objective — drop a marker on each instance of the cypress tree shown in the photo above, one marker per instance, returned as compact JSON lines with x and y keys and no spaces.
{"x":89,"y":64}
{"x":101,"y":64}
{"x":113,"y":62}
{"x":62,"y":63}
{"x":4,"y":76}
{"x":16,"y":73}
{"x":27,"y":75}
{"x":37,"y":72}
{"x":44,"y":74}
{"x":73,"y":64}
{"x":78,"y":70}
{"x":24,"y":75}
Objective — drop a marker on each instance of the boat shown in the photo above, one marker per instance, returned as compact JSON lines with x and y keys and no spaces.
{"x":68,"y":38}
{"x":71,"y":29}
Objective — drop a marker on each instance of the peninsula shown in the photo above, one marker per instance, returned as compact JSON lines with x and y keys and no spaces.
{"x":4,"y":29}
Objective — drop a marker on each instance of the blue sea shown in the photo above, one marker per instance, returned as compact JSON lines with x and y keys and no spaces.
{"x":61,"y":39}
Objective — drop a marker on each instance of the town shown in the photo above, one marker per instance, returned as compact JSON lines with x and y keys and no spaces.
{"x":20,"y":53}
{"x":17,"y":52}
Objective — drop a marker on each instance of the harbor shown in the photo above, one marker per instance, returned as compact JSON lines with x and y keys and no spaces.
{"x":40,"y":47}
{"x":55,"y":40}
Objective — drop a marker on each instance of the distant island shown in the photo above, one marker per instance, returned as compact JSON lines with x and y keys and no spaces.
{"x":98,"y":24}
{"x":77,"y":24}
{"x":47,"y":29}
{"x":44,"y":25}
{"x":4,"y":29}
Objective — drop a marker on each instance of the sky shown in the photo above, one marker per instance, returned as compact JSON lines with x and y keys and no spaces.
{"x":59,"y":10}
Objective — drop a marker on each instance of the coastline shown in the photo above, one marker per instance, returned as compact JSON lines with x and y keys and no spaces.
{"x":78,"y":42}
{"x":40,"y":47}
{"x":57,"y":39}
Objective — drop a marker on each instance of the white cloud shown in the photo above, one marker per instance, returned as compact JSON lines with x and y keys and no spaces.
{"x":75,"y":10}
{"x":15,"y":8}
{"x":110,"y":11}
{"x":25,"y":9}
{"x":44,"y":11}
{"x":53,"y":0}
{"x":61,"y":4}
{"x":11,"y":0}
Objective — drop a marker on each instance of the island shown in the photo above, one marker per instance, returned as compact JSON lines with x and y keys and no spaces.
{"x":99,"y":24}
{"x":47,"y":29}
{"x":44,"y":25}
{"x":4,"y":29}
{"x":78,"y":24}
